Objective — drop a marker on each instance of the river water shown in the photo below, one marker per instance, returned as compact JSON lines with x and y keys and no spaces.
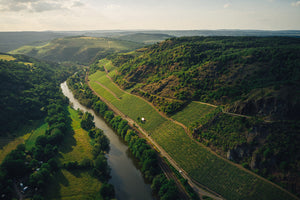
{"x":127,"y":179}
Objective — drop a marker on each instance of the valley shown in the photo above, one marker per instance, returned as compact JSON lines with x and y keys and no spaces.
{"x":221,"y":112}
{"x":177,"y":143}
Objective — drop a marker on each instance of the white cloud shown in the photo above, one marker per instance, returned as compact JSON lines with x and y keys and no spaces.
{"x":226,"y":5}
{"x":112,"y":6}
{"x":37,"y":5}
{"x":296,"y":4}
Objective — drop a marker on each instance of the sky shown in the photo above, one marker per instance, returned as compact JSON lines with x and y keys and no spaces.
{"x":72,"y":15}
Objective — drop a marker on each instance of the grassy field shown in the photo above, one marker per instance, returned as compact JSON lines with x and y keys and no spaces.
{"x":217,"y":174}
{"x":76,"y":184}
{"x":192,"y":113}
{"x":27,"y":134}
{"x":76,"y":145}
{"x":7,"y":57}
{"x":33,"y":136}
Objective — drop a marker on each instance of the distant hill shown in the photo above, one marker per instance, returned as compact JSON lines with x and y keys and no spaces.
{"x":77,"y":49}
{"x":13,"y":40}
{"x":146,"y":38}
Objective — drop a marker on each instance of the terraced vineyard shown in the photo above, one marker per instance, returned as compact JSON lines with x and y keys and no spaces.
{"x":221,"y":176}
{"x":192,"y":113}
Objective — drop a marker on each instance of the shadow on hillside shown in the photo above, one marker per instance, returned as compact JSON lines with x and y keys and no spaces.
{"x":53,"y":189}
{"x":69,"y":141}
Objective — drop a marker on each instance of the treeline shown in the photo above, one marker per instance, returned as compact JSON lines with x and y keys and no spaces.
{"x":29,"y":170}
{"x":147,"y":157}
{"x":27,"y":87}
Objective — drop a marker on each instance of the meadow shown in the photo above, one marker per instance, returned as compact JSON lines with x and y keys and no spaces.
{"x":7,"y":57}
{"x":26,"y":134}
{"x":201,"y":165}
{"x":74,"y":184}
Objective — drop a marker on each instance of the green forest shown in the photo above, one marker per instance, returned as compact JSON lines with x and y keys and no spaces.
{"x":28,"y":87}
{"x":30,"y":92}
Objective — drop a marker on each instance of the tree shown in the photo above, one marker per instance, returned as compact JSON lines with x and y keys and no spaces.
{"x":101,"y":169}
{"x":87,"y":121}
{"x":107,"y":191}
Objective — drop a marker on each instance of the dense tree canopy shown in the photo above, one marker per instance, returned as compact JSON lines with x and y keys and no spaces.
{"x":27,"y":87}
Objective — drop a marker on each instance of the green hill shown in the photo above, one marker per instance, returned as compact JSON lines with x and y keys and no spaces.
{"x":255,"y":82}
{"x":27,"y":86}
{"x":247,"y":71}
{"x":146,"y":38}
{"x":77,"y":49}
{"x":13,"y":40}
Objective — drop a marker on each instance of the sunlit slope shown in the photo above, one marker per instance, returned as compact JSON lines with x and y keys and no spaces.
{"x":77,"y":49}
{"x":219,"y":175}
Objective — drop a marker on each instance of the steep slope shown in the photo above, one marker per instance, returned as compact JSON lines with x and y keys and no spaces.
{"x":251,"y":72}
{"x":77,"y":49}
{"x":27,"y":86}
{"x":254,"y":80}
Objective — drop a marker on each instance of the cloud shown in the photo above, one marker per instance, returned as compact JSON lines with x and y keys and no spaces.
{"x":37,"y":5}
{"x":112,"y":6}
{"x":226,"y":5}
{"x":46,"y":6}
{"x":77,"y":4}
{"x":296,"y":4}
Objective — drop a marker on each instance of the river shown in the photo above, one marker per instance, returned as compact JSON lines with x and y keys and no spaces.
{"x":127,"y":179}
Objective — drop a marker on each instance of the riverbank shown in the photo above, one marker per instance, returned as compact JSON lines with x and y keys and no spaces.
{"x":126,"y":178}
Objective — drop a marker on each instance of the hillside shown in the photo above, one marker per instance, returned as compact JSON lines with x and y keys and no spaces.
{"x":221,"y":70}
{"x":255,"y":82}
{"x":28,"y":85}
{"x":77,"y":49}
{"x":13,"y":40}
{"x":146,"y":38}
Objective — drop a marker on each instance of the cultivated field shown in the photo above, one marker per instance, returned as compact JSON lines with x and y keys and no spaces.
{"x":218,"y":174}
{"x":192,"y":113}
